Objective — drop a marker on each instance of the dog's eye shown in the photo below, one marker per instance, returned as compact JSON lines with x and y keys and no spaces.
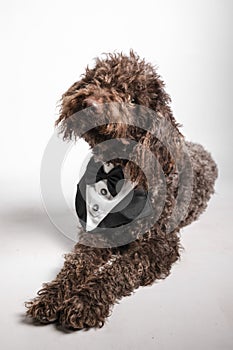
{"x":133,"y":100}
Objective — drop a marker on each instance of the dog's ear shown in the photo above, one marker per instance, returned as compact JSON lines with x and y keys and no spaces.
{"x":69,"y":104}
{"x":161,"y":100}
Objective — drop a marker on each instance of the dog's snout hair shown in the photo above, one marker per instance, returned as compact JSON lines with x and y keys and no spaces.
{"x":100,"y":97}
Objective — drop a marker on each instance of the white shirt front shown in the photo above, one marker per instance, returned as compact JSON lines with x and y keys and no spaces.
{"x":100,"y":202}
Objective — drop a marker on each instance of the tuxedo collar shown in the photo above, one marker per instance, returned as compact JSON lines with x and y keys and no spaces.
{"x":97,"y":208}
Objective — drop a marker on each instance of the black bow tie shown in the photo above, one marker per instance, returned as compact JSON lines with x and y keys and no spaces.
{"x":95,"y":172}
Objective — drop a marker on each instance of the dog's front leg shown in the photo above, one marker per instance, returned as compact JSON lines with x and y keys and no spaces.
{"x":78,"y":266}
{"x":138,"y":264}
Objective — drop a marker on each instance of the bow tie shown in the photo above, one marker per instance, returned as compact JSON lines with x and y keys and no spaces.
{"x":95,"y":172}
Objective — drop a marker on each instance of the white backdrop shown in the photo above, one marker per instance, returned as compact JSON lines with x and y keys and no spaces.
{"x":45,"y":46}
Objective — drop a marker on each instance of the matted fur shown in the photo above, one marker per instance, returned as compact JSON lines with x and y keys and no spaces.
{"x":93,"y":279}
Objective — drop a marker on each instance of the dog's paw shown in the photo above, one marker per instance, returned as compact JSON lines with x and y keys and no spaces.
{"x":44,"y":311}
{"x":45,"y":307}
{"x":83,"y":311}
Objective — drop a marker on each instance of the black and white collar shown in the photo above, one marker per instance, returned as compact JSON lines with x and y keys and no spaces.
{"x":105,"y":199}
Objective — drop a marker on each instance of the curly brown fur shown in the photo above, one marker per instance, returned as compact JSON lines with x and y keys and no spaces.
{"x":93,"y":279}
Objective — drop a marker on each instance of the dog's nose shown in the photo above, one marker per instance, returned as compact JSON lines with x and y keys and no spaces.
{"x":94,"y":103}
{"x":91,"y":102}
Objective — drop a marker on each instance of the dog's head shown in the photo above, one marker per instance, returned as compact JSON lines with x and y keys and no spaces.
{"x":121,"y":79}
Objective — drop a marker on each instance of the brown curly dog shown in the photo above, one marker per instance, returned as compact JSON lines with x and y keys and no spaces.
{"x":124,"y":98}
